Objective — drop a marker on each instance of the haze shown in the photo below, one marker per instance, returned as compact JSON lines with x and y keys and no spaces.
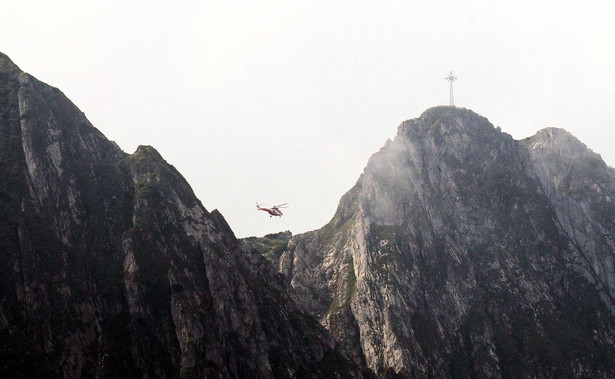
{"x":279,"y":101}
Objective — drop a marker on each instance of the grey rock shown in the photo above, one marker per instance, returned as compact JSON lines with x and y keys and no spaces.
{"x":111,"y":267}
{"x":461,"y":252}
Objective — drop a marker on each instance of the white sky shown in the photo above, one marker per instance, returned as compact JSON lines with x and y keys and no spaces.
{"x":285,"y":101}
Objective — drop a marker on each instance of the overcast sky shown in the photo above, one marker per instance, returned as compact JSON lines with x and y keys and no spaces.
{"x":285,"y":101}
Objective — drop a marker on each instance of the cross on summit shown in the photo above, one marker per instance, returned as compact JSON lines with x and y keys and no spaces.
{"x":451,"y":78}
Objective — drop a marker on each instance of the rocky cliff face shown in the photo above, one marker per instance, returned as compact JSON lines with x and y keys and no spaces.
{"x":111,"y":267}
{"x":462,"y":252}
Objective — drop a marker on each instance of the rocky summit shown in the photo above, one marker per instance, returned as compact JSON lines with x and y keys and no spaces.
{"x":463,"y":253}
{"x":459,"y":253}
{"x":110,"y":267}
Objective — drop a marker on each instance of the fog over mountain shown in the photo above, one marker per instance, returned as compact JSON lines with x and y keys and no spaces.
{"x":460,"y":252}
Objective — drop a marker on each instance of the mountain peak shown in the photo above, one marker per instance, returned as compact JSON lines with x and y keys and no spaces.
{"x":557,"y":140}
{"x":459,"y":245}
{"x":443,"y":119}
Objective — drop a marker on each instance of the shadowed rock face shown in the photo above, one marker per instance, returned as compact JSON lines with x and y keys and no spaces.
{"x":111,"y":267}
{"x":462,"y":252}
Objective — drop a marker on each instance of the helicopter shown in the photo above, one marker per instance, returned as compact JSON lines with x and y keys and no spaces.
{"x":273,"y":211}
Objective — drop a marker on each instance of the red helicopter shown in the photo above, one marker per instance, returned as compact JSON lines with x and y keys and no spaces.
{"x":273,"y":211}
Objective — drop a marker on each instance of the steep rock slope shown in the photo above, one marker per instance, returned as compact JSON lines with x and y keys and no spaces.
{"x":111,"y":267}
{"x":462,"y":252}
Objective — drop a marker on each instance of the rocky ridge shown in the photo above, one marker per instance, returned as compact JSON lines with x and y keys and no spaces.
{"x":461,"y":252}
{"x":111,"y":267}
